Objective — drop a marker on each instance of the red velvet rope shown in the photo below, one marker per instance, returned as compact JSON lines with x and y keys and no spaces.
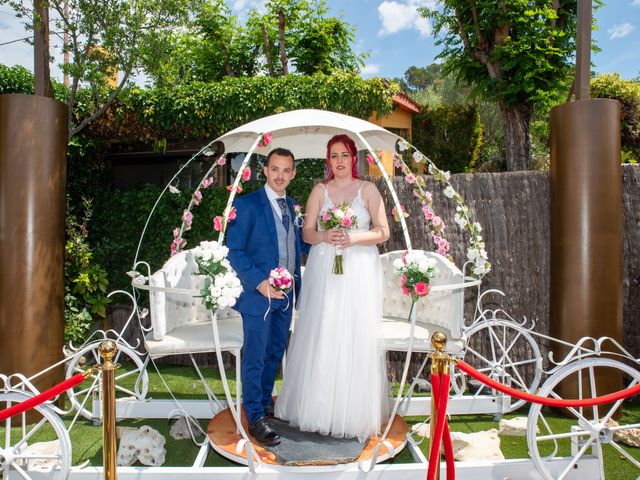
{"x":440,"y":395}
{"x":32,"y":402}
{"x":549,"y":402}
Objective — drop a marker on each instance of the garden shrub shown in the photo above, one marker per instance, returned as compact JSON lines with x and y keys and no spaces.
{"x":627,"y":92}
{"x":449,"y":135}
{"x":85,"y":281}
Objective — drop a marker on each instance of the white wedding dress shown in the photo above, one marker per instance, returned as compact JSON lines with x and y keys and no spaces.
{"x":335,"y":376}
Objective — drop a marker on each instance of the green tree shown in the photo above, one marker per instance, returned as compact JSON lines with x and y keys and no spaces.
{"x":106,"y":42}
{"x":510,"y":52}
{"x":627,"y":92}
{"x":285,"y":33}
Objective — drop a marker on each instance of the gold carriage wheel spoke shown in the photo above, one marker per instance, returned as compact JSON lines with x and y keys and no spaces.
{"x":30,"y":433}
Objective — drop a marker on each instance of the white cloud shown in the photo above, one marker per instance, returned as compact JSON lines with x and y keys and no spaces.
{"x":636,"y":3}
{"x":396,"y":16}
{"x":620,"y":30}
{"x":370,"y":69}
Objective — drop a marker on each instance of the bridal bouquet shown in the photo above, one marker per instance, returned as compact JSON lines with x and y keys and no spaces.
{"x":416,"y":271}
{"x":221,"y":285}
{"x":341,"y":217}
{"x":280,"y":279}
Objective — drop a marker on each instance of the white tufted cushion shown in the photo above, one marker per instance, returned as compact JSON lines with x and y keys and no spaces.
{"x":197,"y":338}
{"x":438,"y":311}
{"x":181,"y":324}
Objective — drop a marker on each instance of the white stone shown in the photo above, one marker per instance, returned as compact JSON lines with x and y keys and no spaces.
{"x":476,"y":446}
{"x":144,"y":444}
{"x":628,"y":436}
{"x":422,"y":429}
{"x":40,"y":449}
{"x":423,"y":385}
{"x":180,"y":429}
{"x":516,"y":427}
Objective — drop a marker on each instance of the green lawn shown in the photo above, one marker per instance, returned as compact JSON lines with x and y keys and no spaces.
{"x":86,"y":437}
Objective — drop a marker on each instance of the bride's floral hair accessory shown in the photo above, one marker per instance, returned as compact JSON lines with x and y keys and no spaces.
{"x":351,"y":148}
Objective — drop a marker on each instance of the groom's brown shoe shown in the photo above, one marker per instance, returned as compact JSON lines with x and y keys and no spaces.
{"x":264,"y":433}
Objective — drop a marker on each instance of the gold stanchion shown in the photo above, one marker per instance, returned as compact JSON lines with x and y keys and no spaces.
{"x":439,"y":365}
{"x":107,"y":350}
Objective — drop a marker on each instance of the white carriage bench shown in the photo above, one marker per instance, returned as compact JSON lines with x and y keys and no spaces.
{"x":181,"y":325}
{"x":442,"y":310}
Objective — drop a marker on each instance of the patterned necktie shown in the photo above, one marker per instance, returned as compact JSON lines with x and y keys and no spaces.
{"x":285,"y":212}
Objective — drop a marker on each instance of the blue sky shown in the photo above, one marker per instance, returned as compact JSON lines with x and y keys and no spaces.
{"x":398,"y":38}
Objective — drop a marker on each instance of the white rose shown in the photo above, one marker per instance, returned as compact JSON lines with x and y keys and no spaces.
{"x":461,"y":221}
{"x":418,"y":157}
{"x":398,"y":263}
{"x":449,"y":191}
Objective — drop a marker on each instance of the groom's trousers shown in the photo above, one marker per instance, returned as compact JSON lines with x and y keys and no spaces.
{"x":264,"y":344}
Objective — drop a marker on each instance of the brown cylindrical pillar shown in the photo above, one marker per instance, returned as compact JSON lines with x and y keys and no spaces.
{"x":586,"y":225}
{"x":33,"y":145}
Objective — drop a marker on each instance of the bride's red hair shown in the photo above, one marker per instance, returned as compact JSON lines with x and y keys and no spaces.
{"x":351,"y":148}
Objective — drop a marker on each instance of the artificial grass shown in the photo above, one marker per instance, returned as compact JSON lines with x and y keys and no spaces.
{"x":184,"y":383}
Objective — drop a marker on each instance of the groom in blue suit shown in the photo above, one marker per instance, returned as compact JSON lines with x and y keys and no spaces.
{"x":262,"y":237}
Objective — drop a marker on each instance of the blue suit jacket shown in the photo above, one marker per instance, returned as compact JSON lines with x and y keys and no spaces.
{"x":253,"y":250}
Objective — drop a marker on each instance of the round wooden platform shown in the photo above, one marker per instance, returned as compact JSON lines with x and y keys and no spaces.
{"x":224,"y":439}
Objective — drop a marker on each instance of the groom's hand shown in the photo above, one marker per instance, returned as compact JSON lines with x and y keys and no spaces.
{"x":268,"y":291}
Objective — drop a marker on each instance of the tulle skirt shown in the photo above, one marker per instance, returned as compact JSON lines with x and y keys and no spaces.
{"x":335,"y":377}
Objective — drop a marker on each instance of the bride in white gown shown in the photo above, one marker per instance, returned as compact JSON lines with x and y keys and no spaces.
{"x":335,"y":377}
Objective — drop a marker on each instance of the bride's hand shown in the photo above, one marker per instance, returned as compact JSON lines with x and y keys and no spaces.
{"x":339,"y":238}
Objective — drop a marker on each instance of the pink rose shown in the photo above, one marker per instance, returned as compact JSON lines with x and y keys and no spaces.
{"x":232,"y":214}
{"x":238,"y":188}
{"x":428,"y":195}
{"x":410,"y":178}
{"x":297,"y":209}
{"x":442,"y":251}
{"x":176,"y":232}
{"x":265,"y":140}
{"x":207,"y":182}
{"x":442,"y":243}
{"x":436,"y":239}
{"x":217,"y":223}
{"x":326,"y":217}
{"x":222,"y":160}
{"x":421,"y":289}
{"x":405,"y":290}
{"x":246,"y":174}
{"x":436,"y":221}
{"x":428,"y":215}
{"x":346,"y":222}
{"x":370,"y":159}
{"x":197,"y":197}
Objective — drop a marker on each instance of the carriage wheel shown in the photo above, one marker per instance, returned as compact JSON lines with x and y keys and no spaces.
{"x":507,"y":353}
{"x":17,"y":460}
{"x":586,"y":430}
{"x":131,"y":379}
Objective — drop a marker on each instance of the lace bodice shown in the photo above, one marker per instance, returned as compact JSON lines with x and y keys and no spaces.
{"x":357,"y":205}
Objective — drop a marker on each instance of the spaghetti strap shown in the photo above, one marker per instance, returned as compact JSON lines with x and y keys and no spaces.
{"x":360,"y":184}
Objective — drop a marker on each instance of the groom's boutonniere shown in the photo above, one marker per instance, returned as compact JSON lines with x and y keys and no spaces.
{"x":299,"y":219}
